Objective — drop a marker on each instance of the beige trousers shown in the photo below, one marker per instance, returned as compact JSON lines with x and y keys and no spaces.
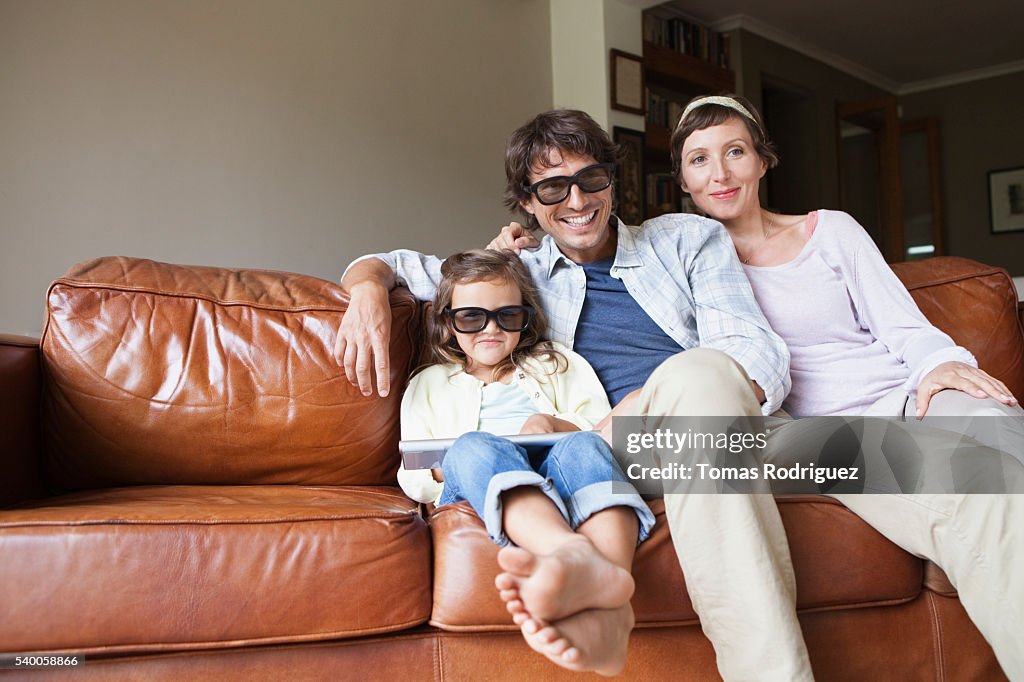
{"x":735,"y":556}
{"x":732,"y":548}
{"x":978,"y":540}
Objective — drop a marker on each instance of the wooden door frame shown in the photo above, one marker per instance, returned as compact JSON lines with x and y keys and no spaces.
{"x":930,"y":127}
{"x":890,"y":186}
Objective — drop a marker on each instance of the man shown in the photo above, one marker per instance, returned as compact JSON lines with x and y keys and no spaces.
{"x":673,"y":295}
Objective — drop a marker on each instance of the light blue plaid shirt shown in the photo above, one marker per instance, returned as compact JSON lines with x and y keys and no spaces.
{"x":682,"y":270}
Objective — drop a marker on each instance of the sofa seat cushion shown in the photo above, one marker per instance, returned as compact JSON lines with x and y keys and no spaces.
{"x":185,"y":567}
{"x":840,"y":563}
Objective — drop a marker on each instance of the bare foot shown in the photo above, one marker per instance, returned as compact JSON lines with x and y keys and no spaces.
{"x":573,"y":578}
{"x":510,"y":595}
{"x":595,"y":639}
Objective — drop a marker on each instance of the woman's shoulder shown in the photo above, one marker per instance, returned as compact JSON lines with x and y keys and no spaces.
{"x":839,"y":227}
{"x":838,"y":221}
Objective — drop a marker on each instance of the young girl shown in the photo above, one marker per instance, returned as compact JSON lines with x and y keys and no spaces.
{"x":494,"y":375}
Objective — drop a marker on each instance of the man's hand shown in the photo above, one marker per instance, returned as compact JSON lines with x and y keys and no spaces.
{"x":545,"y":423}
{"x":365,"y":333}
{"x":962,"y":377}
{"x":513,"y":237}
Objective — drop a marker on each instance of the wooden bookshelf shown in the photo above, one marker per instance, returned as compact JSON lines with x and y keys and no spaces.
{"x":674,"y":77}
{"x":674,"y":70}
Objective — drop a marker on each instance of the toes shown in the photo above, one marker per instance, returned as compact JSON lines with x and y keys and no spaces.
{"x":517,"y":560}
{"x":506,"y":581}
{"x":514,"y":606}
{"x":558,"y":647}
{"x":530,"y":626}
{"x":549,"y":636}
{"x":520,"y":617}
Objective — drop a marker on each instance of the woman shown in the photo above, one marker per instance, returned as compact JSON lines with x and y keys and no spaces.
{"x":859,"y":343}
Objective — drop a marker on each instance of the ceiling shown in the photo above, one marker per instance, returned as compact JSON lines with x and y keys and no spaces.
{"x":900,"y":46}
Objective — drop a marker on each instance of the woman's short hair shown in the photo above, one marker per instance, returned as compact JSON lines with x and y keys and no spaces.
{"x":712,"y":113}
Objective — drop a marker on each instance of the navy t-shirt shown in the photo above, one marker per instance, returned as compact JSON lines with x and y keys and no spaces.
{"x":620,"y":341}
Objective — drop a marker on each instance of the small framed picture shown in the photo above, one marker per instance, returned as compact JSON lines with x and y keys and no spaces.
{"x":627,"y":74}
{"x":1006,"y":199}
{"x":631,"y":194}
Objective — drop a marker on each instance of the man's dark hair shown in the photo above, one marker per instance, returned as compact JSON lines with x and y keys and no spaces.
{"x":562,"y":130}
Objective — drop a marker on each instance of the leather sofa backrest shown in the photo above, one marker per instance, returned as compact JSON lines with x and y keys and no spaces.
{"x":172,"y":374}
{"x":975,"y":304}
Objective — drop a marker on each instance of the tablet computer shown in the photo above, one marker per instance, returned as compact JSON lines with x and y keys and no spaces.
{"x":428,"y":454}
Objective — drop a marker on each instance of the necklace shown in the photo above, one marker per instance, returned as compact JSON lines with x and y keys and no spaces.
{"x":767,"y":233}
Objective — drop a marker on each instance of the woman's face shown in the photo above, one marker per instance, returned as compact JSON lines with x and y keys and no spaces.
{"x":721,"y":170}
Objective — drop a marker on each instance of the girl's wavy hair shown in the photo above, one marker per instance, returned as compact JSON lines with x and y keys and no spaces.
{"x":479,"y":265}
{"x":711,"y":114}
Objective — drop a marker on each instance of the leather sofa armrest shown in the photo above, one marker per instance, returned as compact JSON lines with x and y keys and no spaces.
{"x":20,"y":384}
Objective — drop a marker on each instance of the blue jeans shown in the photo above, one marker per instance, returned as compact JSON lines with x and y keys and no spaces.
{"x":576,"y":474}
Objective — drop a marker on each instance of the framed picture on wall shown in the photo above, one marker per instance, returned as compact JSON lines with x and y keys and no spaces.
{"x":630,"y":191}
{"x":1006,"y":199}
{"x":627,"y":73}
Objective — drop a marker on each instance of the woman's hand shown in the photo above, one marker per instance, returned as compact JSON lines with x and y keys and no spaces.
{"x":962,"y":377}
{"x":545,"y":423}
{"x":513,"y":237}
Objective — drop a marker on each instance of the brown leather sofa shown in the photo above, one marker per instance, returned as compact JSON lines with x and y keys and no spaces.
{"x":191,"y":489}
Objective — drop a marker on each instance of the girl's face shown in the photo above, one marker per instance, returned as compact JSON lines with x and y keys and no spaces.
{"x":492,"y":344}
{"x":721,"y":170}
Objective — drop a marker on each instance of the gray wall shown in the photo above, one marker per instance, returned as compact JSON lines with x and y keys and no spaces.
{"x":982,"y":130}
{"x":254,"y":133}
{"x":806,"y":134}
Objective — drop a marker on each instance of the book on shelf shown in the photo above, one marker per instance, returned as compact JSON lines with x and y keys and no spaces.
{"x":663,"y":193}
{"x":688,"y":37}
{"x":663,"y":110}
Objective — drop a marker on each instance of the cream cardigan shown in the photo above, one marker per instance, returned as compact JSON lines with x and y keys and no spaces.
{"x":443,"y":401}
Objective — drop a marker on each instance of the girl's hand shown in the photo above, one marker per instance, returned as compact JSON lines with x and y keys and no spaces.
{"x":962,"y":377}
{"x":545,"y":423}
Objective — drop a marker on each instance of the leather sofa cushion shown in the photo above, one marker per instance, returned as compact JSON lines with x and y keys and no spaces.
{"x":171,"y":374}
{"x":840,"y":563}
{"x":976,"y":305}
{"x":164,"y":568}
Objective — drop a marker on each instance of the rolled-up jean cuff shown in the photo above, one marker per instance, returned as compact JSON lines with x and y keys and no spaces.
{"x":507,"y":480}
{"x":596,"y":497}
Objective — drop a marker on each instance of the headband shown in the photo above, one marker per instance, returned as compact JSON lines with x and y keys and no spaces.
{"x":727,"y":102}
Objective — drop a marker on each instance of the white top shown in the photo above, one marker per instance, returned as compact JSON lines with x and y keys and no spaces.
{"x":504,"y":408}
{"x":853,"y":331}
